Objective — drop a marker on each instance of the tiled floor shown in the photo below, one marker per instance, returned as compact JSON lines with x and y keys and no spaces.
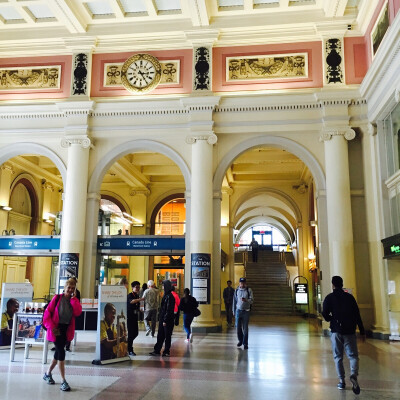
{"x":287,"y":359}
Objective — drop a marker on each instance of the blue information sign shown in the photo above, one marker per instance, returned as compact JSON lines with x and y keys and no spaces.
{"x":26,"y":243}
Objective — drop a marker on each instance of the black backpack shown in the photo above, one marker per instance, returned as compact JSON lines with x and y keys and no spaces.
{"x":46,"y":305}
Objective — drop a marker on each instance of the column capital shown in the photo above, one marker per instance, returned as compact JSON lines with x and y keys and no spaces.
{"x":372,"y":129}
{"x":211,"y":138}
{"x":47,"y":186}
{"x":83,"y":141}
{"x":8,"y":167}
{"x":328,"y":133}
{"x":137,"y":191}
{"x":227,"y":190}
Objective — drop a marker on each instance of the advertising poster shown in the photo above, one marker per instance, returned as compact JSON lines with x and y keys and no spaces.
{"x":112,"y":332}
{"x":12,"y":297}
{"x":201,"y":275}
{"x":29,"y":328}
{"x":69,"y":267}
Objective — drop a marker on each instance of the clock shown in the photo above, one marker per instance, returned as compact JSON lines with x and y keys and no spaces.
{"x":141,"y":73}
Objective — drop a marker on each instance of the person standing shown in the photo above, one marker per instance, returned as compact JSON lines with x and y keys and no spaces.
{"x":188,"y":306}
{"x":176,"y":308}
{"x":254,"y":249}
{"x":7,"y":321}
{"x":133,"y":307}
{"x":341,"y":310}
{"x":228,"y":300}
{"x":150,"y":296}
{"x":242,"y":301}
{"x":165,"y":321}
{"x":59,"y":319}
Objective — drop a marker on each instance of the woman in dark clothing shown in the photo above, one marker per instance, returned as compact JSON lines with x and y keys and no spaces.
{"x":188,"y":306}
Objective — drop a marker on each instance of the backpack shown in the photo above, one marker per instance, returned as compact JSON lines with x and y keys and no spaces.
{"x":248,"y":294}
{"x":46,"y":305}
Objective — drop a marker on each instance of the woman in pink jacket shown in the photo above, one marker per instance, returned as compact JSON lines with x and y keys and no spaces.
{"x":59,"y":319}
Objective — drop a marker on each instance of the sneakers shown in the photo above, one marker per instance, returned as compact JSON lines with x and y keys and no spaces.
{"x":165,"y":354}
{"x":341,"y":385}
{"x":187,"y":340}
{"x":356,"y":386}
{"x":148,"y":332}
{"x":49,"y":379}
{"x":132,"y":353}
{"x":239,"y":344}
{"x":246,"y":347}
{"x":154,"y":353}
{"x":191,"y":338}
{"x":65,"y":387}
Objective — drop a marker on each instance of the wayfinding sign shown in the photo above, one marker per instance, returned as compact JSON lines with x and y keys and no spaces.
{"x":29,"y":245}
{"x":301,"y":293}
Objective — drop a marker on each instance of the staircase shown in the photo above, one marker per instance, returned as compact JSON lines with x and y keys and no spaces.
{"x":267,"y":279}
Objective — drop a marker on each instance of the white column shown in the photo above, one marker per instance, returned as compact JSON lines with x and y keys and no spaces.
{"x":201,"y":229}
{"x":75,"y":196}
{"x":340,"y":227}
{"x":375,"y":218}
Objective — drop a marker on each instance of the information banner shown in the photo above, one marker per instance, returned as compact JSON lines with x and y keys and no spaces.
{"x":301,"y":293}
{"x":69,"y":267}
{"x":201,"y":277}
{"x":12,"y":297}
{"x":112,"y":332}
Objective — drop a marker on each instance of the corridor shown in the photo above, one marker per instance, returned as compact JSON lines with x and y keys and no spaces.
{"x":287,"y":359}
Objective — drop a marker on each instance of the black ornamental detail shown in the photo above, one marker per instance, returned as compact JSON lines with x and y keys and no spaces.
{"x":80,"y":74}
{"x":202,"y":69}
{"x":334,"y":72}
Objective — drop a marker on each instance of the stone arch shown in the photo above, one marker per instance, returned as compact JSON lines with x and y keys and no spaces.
{"x":131,"y":147}
{"x":117,"y":199}
{"x":18,"y":149}
{"x":272,"y":141}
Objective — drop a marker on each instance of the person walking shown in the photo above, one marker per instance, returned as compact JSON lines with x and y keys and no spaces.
{"x":254,"y":249}
{"x":133,"y":306}
{"x":188,"y":306}
{"x":150,"y":296}
{"x":341,"y":310}
{"x":242,"y":301}
{"x":165,"y":321}
{"x":228,"y":300}
{"x":59,"y":319}
{"x":176,"y":308}
{"x":141,"y":309}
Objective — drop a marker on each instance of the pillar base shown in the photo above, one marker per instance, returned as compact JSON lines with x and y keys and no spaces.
{"x":377,"y":333}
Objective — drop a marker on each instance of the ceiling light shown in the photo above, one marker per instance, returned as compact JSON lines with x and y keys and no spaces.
{"x":6,"y":208}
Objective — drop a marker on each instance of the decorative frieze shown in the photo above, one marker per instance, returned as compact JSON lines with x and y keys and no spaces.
{"x":170,"y":73}
{"x":275,"y":66}
{"x":33,"y":78}
{"x":202,"y":68}
{"x":80,"y":72}
{"x":334,"y":68}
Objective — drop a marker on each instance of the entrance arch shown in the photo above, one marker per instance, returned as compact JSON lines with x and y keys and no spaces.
{"x":131,"y":147}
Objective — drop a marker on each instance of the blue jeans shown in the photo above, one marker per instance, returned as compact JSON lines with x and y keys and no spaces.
{"x":346,"y":343}
{"x":187,"y":321}
{"x":242,"y":326}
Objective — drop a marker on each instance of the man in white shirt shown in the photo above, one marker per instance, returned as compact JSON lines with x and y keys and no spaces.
{"x":150,"y":296}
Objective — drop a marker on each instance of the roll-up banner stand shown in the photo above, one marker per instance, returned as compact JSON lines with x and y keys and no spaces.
{"x":69,"y":267}
{"x":201,"y":274}
{"x":22,"y":292}
{"x":112,"y":332}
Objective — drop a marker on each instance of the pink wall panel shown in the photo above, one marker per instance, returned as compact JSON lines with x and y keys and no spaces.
{"x":21,"y":94}
{"x":355,"y":56}
{"x":396,"y":6}
{"x":314,"y":79}
{"x":185,"y":85}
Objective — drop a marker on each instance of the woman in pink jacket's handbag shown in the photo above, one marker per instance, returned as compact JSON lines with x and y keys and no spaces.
{"x":59,"y":319}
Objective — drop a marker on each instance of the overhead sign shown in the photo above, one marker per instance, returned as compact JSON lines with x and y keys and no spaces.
{"x":29,"y":245}
{"x":141,"y":244}
{"x":301,"y":293}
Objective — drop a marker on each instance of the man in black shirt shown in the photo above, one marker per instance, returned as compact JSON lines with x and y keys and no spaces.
{"x":228,"y":293}
{"x":341,"y":310}
{"x":133,"y":315}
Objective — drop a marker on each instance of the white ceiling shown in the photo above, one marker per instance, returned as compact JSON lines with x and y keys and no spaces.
{"x":51,"y":25}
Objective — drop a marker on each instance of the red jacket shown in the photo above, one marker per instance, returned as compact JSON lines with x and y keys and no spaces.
{"x":51,"y":318}
{"x":177,"y":301}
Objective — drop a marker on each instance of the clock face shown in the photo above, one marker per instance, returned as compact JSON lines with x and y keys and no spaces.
{"x":141,"y":73}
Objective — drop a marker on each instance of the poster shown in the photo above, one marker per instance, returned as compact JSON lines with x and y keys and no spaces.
{"x":13,"y":296}
{"x":69,"y":267}
{"x":301,"y":293}
{"x":201,"y":275}
{"x":29,"y":327}
{"x":112,"y":332}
